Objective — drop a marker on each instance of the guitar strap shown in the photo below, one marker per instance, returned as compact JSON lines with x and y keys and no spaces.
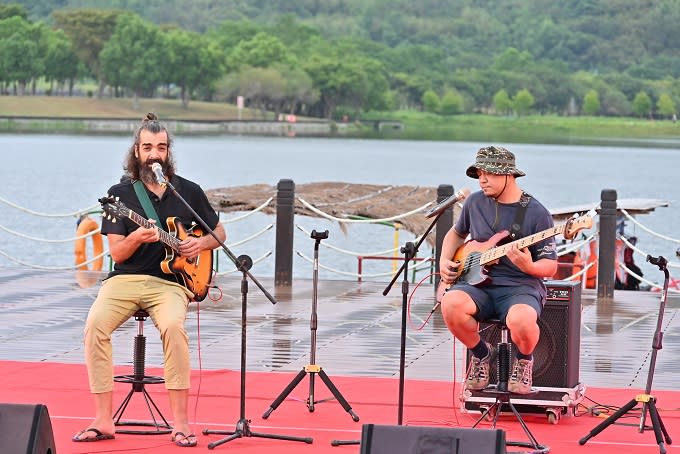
{"x":519,"y":215}
{"x":144,"y":199}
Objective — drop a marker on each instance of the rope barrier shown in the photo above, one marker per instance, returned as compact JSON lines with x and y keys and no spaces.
{"x":258,"y":260}
{"x":579,"y":274}
{"x":356,"y":254}
{"x":53,"y":268}
{"x":45,"y":240}
{"x":644,"y":254}
{"x":249,"y":213}
{"x":567,"y":248}
{"x":651,"y":232}
{"x":646,"y":281}
{"x":47,"y":215}
{"x":251,"y":237}
{"x":424,"y":265}
{"x":361,"y":221}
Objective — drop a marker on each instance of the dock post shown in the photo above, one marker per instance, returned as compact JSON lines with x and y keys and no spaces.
{"x":606,"y":263}
{"x":444,"y":223}
{"x":285,"y":216}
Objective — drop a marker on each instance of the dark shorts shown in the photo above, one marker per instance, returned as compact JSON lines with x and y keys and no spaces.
{"x":495,"y":301}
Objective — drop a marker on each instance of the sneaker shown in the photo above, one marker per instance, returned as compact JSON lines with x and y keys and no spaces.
{"x":521,"y":377}
{"x":478,"y":374}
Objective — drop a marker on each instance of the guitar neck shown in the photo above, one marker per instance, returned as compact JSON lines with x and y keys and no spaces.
{"x":165,"y":238}
{"x":499,"y":251}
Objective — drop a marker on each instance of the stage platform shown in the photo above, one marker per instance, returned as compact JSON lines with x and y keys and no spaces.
{"x":358,"y":337}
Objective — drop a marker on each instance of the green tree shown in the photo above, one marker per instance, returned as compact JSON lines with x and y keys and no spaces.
{"x":339,"y":81}
{"x":665,"y":105}
{"x":452,"y":103}
{"x":136,"y":56}
{"x":19,"y":52}
{"x":89,"y":30}
{"x":591,"y":103}
{"x":522,"y":102}
{"x":430,"y":101}
{"x":502,"y":102}
{"x":12,"y":10}
{"x":61,"y":62}
{"x":195,"y":61}
{"x":642,"y":104}
{"x":261,"y":51}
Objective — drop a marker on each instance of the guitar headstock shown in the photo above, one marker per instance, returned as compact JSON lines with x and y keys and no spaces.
{"x":114,"y":208}
{"x":576,"y":224}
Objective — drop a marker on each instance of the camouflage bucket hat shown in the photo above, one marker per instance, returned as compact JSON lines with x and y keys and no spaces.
{"x":496,"y":160}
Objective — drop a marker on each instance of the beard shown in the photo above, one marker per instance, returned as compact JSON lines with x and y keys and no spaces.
{"x":146,"y":174}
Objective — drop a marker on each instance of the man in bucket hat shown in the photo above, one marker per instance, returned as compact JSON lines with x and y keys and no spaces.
{"x":511,"y":290}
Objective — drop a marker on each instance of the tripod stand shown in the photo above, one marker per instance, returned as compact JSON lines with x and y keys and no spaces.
{"x":648,"y":401}
{"x":243,"y":424}
{"x":243,"y":263}
{"x":313,"y":368}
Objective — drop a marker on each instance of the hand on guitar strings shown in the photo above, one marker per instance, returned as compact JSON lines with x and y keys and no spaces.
{"x":146,"y":235}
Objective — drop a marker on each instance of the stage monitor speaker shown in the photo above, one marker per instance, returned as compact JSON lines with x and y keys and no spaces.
{"x":556,"y":357}
{"x":25,"y":429}
{"x":382,"y":439}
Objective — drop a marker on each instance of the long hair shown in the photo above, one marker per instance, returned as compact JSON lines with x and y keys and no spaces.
{"x":132,"y":165}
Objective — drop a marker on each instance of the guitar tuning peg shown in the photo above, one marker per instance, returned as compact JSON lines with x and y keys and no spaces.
{"x":114,"y":220}
{"x":117,"y":198}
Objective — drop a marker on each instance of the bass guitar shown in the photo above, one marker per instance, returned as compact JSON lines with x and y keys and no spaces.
{"x":475,"y":257}
{"x":193,"y":273}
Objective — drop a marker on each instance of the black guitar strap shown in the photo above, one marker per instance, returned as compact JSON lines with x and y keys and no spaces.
{"x":519,"y":215}
{"x":144,"y":199}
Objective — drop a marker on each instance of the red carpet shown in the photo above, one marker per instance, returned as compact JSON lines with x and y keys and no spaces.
{"x":215,"y":405}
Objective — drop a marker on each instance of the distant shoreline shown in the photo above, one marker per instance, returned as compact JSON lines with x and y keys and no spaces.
{"x":95,"y":126}
{"x":92,"y":116}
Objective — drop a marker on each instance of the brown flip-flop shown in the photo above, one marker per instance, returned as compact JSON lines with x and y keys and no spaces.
{"x":99,"y":436}
{"x":185,"y":441}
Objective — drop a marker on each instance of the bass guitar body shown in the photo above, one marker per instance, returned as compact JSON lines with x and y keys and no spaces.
{"x":471,"y":270}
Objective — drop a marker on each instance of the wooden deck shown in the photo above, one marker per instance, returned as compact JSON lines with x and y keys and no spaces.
{"x":358,"y":333}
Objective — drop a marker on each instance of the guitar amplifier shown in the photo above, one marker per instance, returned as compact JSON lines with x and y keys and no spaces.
{"x":556,"y":356}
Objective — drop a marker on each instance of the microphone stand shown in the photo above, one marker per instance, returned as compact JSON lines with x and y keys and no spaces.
{"x":313,"y":368}
{"x":648,"y":401}
{"x":409,"y":250}
{"x":243,"y":263}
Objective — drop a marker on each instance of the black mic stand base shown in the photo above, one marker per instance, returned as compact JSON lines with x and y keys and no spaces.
{"x":243,"y":430}
{"x":648,"y":401}
{"x":648,"y":404}
{"x":312,"y":369}
{"x":243,"y":425}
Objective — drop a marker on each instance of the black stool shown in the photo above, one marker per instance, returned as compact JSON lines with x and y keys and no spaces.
{"x":138,"y":380}
{"x":502,"y":395}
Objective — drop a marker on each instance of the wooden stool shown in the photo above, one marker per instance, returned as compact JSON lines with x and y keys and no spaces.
{"x":139,"y":380}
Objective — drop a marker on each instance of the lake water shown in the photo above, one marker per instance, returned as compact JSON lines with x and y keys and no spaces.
{"x":56,"y":174}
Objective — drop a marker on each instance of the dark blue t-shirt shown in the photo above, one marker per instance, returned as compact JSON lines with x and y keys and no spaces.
{"x":482,"y":217}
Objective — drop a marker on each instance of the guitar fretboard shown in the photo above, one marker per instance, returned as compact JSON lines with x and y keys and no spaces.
{"x":165,"y":237}
{"x":499,"y":251}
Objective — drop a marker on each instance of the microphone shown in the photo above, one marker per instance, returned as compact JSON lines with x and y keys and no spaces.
{"x":457,"y":197}
{"x":158,"y":171}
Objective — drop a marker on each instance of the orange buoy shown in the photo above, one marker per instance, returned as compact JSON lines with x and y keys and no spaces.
{"x":85,"y":226}
{"x":577,"y":267}
{"x":591,"y":274}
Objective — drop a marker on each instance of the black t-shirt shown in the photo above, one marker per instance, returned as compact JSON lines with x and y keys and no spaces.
{"x":148,"y":257}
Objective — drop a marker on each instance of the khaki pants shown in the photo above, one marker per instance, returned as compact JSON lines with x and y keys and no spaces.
{"x":118,"y":299}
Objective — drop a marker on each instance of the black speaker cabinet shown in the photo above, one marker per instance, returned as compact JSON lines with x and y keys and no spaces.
{"x":382,"y":439}
{"x":556,"y":357}
{"x":25,"y":429}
